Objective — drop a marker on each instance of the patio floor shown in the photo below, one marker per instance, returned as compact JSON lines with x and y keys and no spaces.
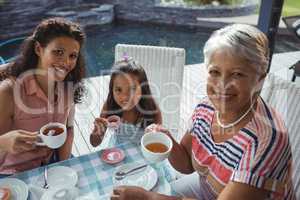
{"x":193,"y":89}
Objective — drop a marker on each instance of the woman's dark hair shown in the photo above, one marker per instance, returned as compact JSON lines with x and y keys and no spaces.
{"x":146,"y":108}
{"x":44,"y":33}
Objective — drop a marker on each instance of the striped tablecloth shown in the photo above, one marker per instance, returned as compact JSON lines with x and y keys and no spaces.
{"x":95,"y":176}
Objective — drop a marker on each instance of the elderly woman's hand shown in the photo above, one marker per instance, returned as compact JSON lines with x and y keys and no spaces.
{"x":18,"y":141}
{"x":158,"y":128}
{"x":130,"y":193}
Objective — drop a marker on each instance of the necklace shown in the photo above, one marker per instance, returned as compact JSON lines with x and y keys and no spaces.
{"x":232,"y":123}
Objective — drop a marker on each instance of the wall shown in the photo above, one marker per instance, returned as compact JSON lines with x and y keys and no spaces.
{"x":19,"y":17}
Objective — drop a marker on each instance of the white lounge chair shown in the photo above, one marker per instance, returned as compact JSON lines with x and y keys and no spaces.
{"x":164,"y":68}
{"x":284,"y":96}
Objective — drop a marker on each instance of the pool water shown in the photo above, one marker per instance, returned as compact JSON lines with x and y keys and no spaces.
{"x":101,"y":42}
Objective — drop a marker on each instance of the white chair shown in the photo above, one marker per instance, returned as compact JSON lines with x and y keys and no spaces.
{"x":284,"y":96}
{"x":164,"y":68}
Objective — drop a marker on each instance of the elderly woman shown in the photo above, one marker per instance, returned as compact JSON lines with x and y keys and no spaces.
{"x":237,"y":144}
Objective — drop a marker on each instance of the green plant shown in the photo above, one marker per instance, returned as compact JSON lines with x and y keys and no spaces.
{"x":291,"y":7}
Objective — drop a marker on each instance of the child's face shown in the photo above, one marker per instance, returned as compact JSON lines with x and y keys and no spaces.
{"x":58,"y":58}
{"x":127,"y":91}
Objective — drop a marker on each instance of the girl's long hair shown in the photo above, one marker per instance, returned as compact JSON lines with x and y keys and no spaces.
{"x":146,"y":108}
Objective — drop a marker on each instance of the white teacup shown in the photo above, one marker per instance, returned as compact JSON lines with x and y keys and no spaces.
{"x":114,"y":121}
{"x":51,"y":138}
{"x":155,"y":155}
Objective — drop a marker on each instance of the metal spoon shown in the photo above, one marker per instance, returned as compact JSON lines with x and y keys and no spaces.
{"x":120,"y":175}
{"x":46,"y":185}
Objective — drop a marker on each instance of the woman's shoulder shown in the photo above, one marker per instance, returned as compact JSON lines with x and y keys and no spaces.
{"x":6,"y":88}
{"x":272,"y":119}
{"x":205,"y":103}
{"x":6,"y":94}
{"x":204,"y":109}
{"x":269,"y":127}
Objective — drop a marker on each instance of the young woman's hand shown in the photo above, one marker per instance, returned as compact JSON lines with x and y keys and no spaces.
{"x":18,"y":141}
{"x":100,"y":125}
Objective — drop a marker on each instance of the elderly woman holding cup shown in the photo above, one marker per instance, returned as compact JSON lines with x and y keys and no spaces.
{"x":237,"y":144}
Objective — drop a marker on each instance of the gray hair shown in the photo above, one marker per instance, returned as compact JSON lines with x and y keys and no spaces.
{"x":244,"y":41}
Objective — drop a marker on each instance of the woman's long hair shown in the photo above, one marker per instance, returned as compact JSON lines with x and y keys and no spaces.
{"x":44,"y":33}
{"x":146,"y":108}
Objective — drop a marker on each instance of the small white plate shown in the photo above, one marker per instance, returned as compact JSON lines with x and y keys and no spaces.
{"x":145,"y":177}
{"x":59,"y":176}
{"x":164,"y":189}
{"x":19,"y":189}
{"x":61,"y":193}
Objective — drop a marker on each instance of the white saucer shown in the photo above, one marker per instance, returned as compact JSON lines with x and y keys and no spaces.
{"x":61,"y":193}
{"x":164,"y":189}
{"x":19,"y":189}
{"x":59,"y":176}
{"x":145,"y":178}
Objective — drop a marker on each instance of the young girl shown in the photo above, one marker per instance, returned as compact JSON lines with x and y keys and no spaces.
{"x":129,"y":98}
{"x":41,"y":86}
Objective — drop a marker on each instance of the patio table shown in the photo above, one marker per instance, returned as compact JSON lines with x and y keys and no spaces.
{"x":95,"y":176}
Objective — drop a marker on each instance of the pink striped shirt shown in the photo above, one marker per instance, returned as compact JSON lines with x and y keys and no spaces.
{"x":32,"y":110}
{"x":258,"y":155}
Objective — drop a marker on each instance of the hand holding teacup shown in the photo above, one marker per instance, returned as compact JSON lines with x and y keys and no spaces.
{"x":100,"y":126}
{"x":156,"y":144}
{"x":52,"y":135}
{"x":18,"y":141}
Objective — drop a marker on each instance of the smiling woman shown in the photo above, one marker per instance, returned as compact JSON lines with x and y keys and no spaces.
{"x":40,"y":86}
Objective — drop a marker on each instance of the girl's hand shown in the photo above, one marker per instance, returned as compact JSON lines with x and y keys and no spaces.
{"x":18,"y":141}
{"x":100,"y":126}
{"x":130,"y":193}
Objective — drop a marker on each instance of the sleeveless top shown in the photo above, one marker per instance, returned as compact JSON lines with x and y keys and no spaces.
{"x":32,"y":110}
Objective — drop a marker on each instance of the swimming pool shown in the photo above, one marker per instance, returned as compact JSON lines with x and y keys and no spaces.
{"x":101,"y":41}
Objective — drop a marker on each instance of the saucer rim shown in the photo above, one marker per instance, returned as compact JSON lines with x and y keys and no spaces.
{"x":109,"y":150}
{"x":130,"y":165}
{"x":21,"y":182}
{"x":50,"y":169}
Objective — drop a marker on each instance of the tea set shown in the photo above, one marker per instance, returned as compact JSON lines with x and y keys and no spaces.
{"x":155,"y":147}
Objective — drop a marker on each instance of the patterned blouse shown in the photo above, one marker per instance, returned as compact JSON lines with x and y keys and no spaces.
{"x":258,"y":155}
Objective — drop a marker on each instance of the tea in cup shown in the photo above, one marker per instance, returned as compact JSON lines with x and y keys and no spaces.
{"x":156,"y":146}
{"x":53,"y":135}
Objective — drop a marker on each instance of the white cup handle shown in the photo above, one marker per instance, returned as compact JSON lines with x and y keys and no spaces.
{"x":40,"y":143}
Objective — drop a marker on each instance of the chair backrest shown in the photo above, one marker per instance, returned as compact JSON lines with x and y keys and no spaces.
{"x":293,"y":24}
{"x":284,"y":96}
{"x":164,"y":68}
